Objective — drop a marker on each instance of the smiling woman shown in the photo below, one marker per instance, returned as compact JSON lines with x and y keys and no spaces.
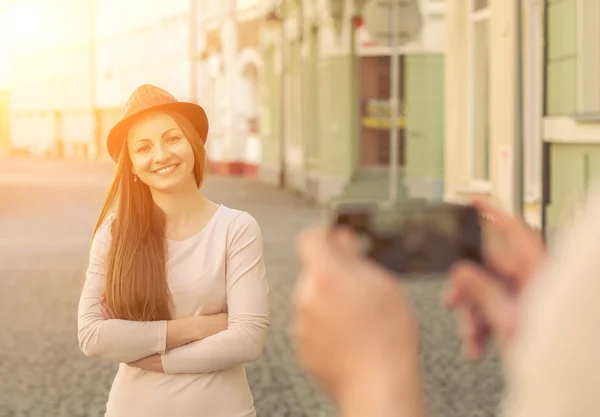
{"x":176,"y":288}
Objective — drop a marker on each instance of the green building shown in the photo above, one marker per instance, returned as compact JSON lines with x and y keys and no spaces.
{"x":571,"y":122}
{"x":324,"y":91}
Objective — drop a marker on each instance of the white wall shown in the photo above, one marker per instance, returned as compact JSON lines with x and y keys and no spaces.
{"x":137,"y":42}
{"x":51,"y":80}
{"x":32,"y":131}
{"x":156,"y":53}
{"x":117,"y":16}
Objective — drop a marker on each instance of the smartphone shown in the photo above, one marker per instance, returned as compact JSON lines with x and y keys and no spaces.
{"x":415,"y":238}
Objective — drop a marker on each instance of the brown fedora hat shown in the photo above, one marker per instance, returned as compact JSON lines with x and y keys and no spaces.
{"x":148,"y":97}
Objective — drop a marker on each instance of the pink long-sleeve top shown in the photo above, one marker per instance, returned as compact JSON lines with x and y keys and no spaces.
{"x":219,"y":269}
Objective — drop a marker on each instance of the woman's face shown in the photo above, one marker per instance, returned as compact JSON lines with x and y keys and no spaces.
{"x":161,"y":156}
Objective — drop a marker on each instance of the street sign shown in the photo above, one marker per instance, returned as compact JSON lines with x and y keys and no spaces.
{"x":392,"y":22}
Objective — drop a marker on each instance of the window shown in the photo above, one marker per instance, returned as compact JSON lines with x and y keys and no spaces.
{"x":588,"y":33}
{"x":479,"y":90}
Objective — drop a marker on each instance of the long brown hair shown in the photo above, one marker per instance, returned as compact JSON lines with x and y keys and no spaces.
{"x":136,"y":285}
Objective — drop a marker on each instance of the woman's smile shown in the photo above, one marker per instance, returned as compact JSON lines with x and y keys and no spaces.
{"x":166,"y":170}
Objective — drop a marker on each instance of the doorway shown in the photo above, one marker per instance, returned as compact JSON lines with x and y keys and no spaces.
{"x":375,"y":112}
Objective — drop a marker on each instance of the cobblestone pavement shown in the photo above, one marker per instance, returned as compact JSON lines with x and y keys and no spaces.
{"x":47,"y":211}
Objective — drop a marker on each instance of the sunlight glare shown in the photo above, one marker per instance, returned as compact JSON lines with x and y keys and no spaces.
{"x":27,"y":26}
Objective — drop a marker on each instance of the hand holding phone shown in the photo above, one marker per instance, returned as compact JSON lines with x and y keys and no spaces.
{"x":415,"y":239}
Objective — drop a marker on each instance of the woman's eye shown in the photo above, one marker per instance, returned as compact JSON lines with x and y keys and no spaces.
{"x":144,"y":148}
{"x":173,"y":139}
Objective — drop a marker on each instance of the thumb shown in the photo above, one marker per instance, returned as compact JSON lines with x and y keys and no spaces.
{"x":346,"y":241}
{"x":474,"y":287}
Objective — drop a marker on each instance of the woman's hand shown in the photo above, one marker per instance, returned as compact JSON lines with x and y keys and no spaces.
{"x":355,"y":331}
{"x":215,"y":323}
{"x":200,"y":327}
{"x":106,"y":311}
{"x":183,"y":331}
{"x":486,"y":299}
{"x":151,"y":363}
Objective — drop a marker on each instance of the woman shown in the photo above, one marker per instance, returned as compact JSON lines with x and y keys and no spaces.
{"x":175,"y":289}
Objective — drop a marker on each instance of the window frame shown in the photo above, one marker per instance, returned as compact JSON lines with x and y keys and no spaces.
{"x":588,"y":60}
{"x":534,"y":59}
{"x":475,"y":17}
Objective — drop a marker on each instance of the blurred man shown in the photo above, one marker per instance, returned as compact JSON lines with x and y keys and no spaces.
{"x":358,"y":336}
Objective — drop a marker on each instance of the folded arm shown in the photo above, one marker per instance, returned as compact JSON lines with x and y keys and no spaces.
{"x":125,"y":341}
{"x":247,"y":304}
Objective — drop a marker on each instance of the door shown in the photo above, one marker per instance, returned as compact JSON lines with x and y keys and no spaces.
{"x":375,"y":111}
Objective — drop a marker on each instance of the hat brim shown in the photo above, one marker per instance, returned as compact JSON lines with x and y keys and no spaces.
{"x":193,"y":112}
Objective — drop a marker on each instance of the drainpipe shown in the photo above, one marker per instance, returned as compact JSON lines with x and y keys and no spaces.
{"x":303,"y":100}
{"x":282,"y":108}
{"x":276,"y":14}
{"x":518,"y":113}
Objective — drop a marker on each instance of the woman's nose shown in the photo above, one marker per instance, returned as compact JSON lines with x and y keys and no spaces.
{"x":162,"y":154}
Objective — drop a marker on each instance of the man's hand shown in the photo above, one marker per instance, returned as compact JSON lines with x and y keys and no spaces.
{"x":151,"y":363}
{"x":354,"y":328}
{"x":486,"y":299}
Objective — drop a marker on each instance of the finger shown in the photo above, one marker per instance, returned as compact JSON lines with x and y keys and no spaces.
{"x":477,"y":288}
{"x":106,"y":310}
{"x":467,"y":331}
{"x":346,"y":241}
{"x":507,"y":225}
{"x":515,"y":266}
{"x":476,"y":332}
{"x":326,"y":252}
{"x":498,"y":219}
{"x":314,"y":244}
{"x":302,"y":291}
{"x":472,"y":328}
{"x":500,"y":260}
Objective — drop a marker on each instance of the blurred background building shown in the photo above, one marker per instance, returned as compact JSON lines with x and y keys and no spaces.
{"x":65,"y":96}
{"x":481,"y":93}
{"x":560,"y":99}
{"x":297,"y":93}
{"x":334,"y":103}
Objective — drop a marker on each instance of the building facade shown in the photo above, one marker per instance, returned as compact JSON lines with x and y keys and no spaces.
{"x":325,"y":102}
{"x":50,"y":92}
{"x":230,"y":66}
{"x":203,"y":51}
{"x":482,"y":94}
{"x":66,"y":96}
{"x":560,"y":103}
{"x":571,"y":105}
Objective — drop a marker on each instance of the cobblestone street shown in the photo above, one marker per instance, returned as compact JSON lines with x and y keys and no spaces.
{"x":47,"y":212}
